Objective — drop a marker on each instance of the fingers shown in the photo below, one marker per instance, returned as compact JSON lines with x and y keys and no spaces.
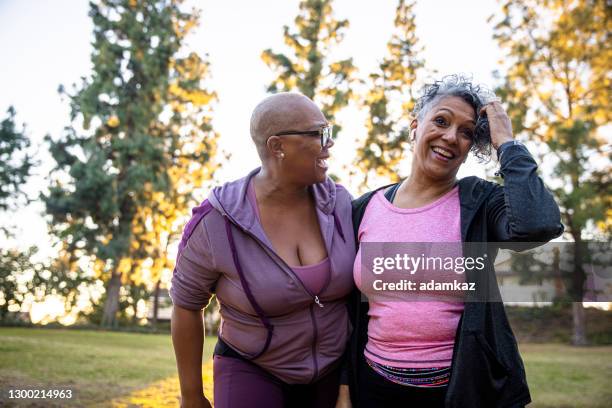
{"x":499,"y":123}
{"x":493,"y":106}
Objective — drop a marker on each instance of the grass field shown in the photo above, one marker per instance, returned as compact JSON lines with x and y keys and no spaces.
{"x":107,"y":369}
{"x":103,"y":368}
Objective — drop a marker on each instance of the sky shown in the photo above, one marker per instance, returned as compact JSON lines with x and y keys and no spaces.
{"x":47,"y":43}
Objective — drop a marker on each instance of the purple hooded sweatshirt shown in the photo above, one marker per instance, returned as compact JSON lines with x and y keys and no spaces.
{"x":267,"y":314}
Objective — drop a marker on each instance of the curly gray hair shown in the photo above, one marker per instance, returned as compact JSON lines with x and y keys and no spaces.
{"x":474,"y":94}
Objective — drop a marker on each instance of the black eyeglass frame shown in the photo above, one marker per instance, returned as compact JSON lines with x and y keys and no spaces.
{"x":325,"y":133}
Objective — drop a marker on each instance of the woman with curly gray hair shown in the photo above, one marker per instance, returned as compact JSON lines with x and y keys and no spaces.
{"x":456,"y":351}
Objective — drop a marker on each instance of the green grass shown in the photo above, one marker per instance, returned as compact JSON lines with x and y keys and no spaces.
{"x":561,"y":376}
{"x":102,"y":366}
{"x":98,"y":365}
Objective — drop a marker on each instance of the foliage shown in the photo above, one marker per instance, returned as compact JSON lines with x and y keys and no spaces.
{"x":123,"y":182}
{"x":558,"y":88}
{"x":23,"y":280}
{"x":558,"y":91}
{"x":13,"y":264}
{"x":554,"y":262}
{"x":388,"y":125}
{"x":16,"y":162}
{"x":306,"y":67}
{"x":553,"y":324}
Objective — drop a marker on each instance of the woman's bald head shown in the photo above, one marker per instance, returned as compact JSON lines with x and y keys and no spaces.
{"x":281,"y":112}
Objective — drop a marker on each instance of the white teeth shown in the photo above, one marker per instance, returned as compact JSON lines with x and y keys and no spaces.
{"x":443,"y":152}
{"x":322,"y":163}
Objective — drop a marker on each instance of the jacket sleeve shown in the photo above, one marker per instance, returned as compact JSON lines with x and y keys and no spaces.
{"x":195,"y":275}
{"x":523,"y":210}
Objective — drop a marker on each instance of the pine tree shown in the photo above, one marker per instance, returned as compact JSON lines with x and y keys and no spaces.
{"x":306,"y":67}
{"x":16,"y":162}
{"x":22,"y":279}
{"x":558,"y":90}
{"x":192,"y":163}
{"x":117,"y":187}
{"x":390,"y":100}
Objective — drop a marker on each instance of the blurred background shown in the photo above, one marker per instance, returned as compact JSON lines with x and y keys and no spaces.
{"x":118,"y":116}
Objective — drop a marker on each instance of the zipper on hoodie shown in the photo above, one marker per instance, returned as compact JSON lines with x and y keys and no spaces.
{"x":312,"y":314}
{"x":314,"y":343}
{"x":317,"y":301}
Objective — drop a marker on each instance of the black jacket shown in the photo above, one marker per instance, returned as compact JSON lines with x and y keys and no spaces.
{"x":487,"y":370}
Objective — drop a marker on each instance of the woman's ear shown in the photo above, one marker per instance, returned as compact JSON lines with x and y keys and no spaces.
{"x":275,"y":147}
{"x":413,"y":126}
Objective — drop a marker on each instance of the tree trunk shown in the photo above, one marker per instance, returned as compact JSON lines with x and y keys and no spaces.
{"x":557,"y":275}
{"x":156,"y":303}
{"x":111,"y":304}
{"x":579,"y":338}
{"x":135,"y":316}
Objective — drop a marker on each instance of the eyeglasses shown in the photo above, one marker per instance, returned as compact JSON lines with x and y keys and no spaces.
{"x":325,"y":133}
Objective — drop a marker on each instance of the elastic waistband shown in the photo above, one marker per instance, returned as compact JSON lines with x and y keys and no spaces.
{"x":413,"y":377}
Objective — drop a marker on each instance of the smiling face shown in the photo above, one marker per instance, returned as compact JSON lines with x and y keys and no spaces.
{"x":305,"y":161}
{"x":300,"y":158}
{"x":443,"y":138}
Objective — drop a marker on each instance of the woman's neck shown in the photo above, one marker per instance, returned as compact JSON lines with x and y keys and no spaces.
{"x":419,"y":191}
{"x":273,"y":189}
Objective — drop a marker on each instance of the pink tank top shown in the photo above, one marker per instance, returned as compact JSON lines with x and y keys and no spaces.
{"x":411,"y":334}
{"x":313,"y":277}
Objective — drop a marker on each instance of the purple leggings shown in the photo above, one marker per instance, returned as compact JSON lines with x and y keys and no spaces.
{"x":241,"y":384}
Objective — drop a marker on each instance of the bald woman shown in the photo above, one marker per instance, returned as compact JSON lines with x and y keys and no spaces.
{"x":276,"y":249}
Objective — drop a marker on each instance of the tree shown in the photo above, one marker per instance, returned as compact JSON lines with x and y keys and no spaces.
{"x":13,"y":265}
{"x":388,"y":119}
{"x":24,"y":280}
{"x":306,"y":67}
{"x":558,"y":91}
{"x":191,"y":164}
{"x":117,"y":187}
{"x":15,"y":162}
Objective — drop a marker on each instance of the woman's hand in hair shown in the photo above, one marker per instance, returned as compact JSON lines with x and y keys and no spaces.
{"x":499,"y":123}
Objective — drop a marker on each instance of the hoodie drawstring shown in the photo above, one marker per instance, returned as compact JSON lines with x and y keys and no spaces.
{"x":247,"y":290}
